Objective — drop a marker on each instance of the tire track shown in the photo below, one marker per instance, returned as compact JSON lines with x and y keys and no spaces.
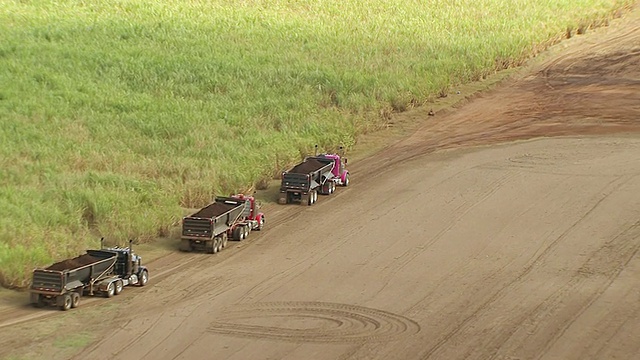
{"x":618,"y":249}
{"x":461,"y":211}
{"x":535,"y":260}
{"x":335,"y":323}
{"x":536,"y":317}
{"x":614,"y":334}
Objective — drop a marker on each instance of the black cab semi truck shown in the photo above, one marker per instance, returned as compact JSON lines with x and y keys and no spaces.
{"x":105,"y":272}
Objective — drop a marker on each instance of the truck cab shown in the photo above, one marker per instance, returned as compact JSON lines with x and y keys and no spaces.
{"x":252,"y":215}
{"x":340,"y":172}
{"x":128,"y":266}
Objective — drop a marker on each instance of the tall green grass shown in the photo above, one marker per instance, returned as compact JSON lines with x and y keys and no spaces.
{"x":115,"y":115}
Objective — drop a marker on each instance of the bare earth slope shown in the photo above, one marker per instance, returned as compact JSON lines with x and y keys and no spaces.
{"x":525,"y":250}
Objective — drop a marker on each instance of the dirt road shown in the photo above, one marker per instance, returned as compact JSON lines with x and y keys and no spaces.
{"x":518,"y":250}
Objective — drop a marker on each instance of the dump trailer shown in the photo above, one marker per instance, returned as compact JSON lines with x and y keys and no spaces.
{"x":105,"y":272}
{"x":227,"y":217}
{"x":319,"y":174}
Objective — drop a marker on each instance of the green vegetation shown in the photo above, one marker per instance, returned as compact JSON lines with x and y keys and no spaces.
{"x":115,"y":115}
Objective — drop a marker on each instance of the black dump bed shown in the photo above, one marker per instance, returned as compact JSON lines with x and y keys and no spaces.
{"x":213,"y":219}
{"x":307,"y":174}
{"x":310,"y":166}
{"x":72,"y":273}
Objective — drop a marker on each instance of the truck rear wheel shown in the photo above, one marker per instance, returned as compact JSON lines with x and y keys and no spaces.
{"x":39,"y":302}
{"x":75,"y":299}
{"x":119,"y":287}
{"x":111,"y":290}
{"x":224,"y":241}
{"x":212,"y":246}
{"x":66,"y":302}
{"x":237,"y":233}
{"x":185,"y":245}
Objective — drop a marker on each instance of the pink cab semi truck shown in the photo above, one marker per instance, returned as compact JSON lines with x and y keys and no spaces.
{"x":319,"y":174}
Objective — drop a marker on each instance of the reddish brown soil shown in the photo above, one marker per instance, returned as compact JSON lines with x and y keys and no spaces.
{"x":214,"y":209}
{"x":307,"y":166}
{"x":74,"y":263}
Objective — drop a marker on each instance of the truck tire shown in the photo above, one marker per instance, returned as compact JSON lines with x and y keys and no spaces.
{"x":224,"y":241}
{"x":75,"y":299}
{"x":210,"y":246}
{"x":260,"y":224}
{"x":111,"y":290}
{"x":237,"y":233}
{"x":66,"y":302}
{"x":346,"y":181}
{"x":282,"y":200}
{"x":185,"y":245}
{"x":143,"y":278}
{"x":119,"y":287}
{"x":333,"y":187}
{"x":39,"y":302}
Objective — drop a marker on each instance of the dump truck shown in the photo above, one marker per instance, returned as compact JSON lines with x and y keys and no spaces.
{"x":98,"y":272}
{"x":226,"y":218}
{"x":318,"y":174}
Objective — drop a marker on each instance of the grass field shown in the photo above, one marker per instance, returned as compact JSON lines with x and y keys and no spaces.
{"x":116,"y":115}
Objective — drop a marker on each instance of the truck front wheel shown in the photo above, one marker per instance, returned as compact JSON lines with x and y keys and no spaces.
{"x":143,"y":279}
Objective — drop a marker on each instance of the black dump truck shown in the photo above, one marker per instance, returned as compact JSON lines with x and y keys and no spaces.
{"x":227,"y":217}
{"x":106,"y":272}
{"x":306,"y":180}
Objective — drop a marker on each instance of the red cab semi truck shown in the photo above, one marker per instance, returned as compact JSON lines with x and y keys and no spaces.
{"x":227,"y":217}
